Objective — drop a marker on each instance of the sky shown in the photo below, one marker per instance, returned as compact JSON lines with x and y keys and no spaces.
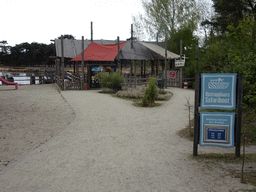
{"x":42,"y":20}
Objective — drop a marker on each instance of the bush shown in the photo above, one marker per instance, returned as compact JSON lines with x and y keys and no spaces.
{"x":111,"y":80}
{"x":150,"y":93}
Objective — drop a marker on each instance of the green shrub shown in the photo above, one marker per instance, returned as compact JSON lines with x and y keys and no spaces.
{"x":150,"y":93}
{"x":111,"y":80}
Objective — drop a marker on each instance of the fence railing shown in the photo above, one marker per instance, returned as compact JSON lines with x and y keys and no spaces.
{"x":71,"y":82}
{"x":134,"y":82}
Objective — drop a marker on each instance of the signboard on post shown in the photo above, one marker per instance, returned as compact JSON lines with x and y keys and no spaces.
{"x":172,"y":75}
{"x":180,"y":63}
{"x":217,"y":129}
{"x":218,"y":91}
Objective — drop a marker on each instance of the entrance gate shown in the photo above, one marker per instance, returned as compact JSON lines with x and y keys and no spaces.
{"x":173,"y":78}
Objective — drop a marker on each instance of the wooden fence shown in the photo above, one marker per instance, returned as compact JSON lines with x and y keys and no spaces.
{"x":133,"y":82}
{"x":71,"y":82}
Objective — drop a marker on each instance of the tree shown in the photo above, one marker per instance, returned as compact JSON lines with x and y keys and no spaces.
{"x":230,"y":12}
{"x":165,"y":17}
{"x":67,"y":37}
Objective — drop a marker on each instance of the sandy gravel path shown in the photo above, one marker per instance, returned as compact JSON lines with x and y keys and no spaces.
{"x":30,"y":117}
{"x":114,"y":146}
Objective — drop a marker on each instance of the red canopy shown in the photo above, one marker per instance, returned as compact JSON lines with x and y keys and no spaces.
{"x":99,"y":52}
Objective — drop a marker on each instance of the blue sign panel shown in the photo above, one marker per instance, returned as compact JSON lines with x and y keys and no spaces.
{"x":217,"y":129}
{"x":216,"y":134}
{"x":218,"y":91}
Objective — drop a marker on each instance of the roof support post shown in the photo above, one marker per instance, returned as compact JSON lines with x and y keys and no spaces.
{"x":132,"y":36}
{"x":118,"y":56}
{"x":144,"y":63}
{"x":62,"y":62}
{"x":157,"y":63}
{"x":82,"y":83}
{"x":152,"y":67}
{"x":91,"y":32}
{"x":141,"y":68}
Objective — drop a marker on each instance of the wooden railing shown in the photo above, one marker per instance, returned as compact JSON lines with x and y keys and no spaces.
{"x":134,"y":82}
{"x":59,"y":81}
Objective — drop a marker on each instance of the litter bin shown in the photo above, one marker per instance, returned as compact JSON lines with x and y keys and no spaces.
{"x":185,"y":85}
{"x":160,"y":83}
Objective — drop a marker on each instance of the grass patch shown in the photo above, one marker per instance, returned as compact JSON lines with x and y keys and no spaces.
{"x":248,"y":126}
{"x":187,"y":133}
{"x":249,"y":175}
{"x":227,"y":158}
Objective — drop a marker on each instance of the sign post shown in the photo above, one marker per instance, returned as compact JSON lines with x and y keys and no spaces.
{"x":218,"y":129}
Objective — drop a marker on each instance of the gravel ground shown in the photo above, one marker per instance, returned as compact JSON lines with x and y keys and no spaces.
{"x":114,"y":146}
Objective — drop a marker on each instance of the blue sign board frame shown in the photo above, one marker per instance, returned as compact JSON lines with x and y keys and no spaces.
{"x":217,"y":129}
{"x":218,"y":91}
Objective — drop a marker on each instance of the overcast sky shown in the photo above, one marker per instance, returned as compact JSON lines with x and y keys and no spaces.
{"x":43,"y":20}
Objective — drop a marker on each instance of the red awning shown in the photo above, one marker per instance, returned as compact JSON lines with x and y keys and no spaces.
{"x":99,"y":52}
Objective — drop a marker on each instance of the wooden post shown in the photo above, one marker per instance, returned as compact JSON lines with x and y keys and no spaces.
{"x":239,"y":112}
{"x":157,"y":63}
{"x":91,"y":32}
{"x":141,"y":68}
{"x":152,"y":67}
{"x":165,"y":62}
{"x":74,"y":68}
{"x":132,"y":68}
{"x":121,"y":67}
{"x":32,"y":80}
{"x":135,"y":74}
{"x":132,"y":36}
{"x":88,"y":76}
{"x":181,"y":67}
{"x":82,"y":83}
{"x":118,"y":55}
{"x":62,"y":62}
{"x":197,"y":56}
{"x":196,"y":114}
{"x":144,"y":63}
{"x":77,"y":69}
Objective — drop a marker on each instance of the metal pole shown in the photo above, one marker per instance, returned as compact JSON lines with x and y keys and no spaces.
{"x":82,"y":84}
{"x":165,"y":62}
{"x":62,"y":62}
